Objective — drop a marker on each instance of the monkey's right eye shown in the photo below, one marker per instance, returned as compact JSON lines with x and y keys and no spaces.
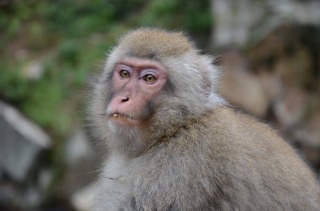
{"x":124,"y":73}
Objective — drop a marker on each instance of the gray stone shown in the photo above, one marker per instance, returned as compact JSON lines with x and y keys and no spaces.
{"x":21,"y":141}
{"x":309,"y":133}
{"x":238,"y":22}
{"x":33,"y":70}
{"x":77,"y":148}
{"x":290,"y":107}
{"x":80,"y":162}
{"x":242,"y":88}
{"x":82,"y":200}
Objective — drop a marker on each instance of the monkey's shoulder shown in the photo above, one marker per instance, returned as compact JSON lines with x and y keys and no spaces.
{"x":240,"y":127}
{"x":227,"y":135}
{"x":224,"y":124}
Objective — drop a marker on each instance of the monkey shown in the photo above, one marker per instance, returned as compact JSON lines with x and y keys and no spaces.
{"x":175,"y":144}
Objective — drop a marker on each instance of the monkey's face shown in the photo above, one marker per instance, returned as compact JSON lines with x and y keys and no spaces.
{"x":135,"y":84}
{"x":152,"y":82}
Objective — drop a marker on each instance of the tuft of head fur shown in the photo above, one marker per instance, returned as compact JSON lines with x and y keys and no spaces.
{"x":154,"y":43}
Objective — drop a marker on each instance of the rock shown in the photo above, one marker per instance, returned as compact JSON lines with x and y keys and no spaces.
{"x":309,"y":133}
{"x":290,"y":107}
{"x":25,"y":179}
{"x":82,"y":200}
{"x":308,"y":138}
{"x":21,"y":142}
{"x":77,"y":148}
{"x":239,"y":22}
{"x":271,"y":84}
{"x":233,"y":21}
{"x":33,"y":70}
{"x":285,"y":54}
{"x":81,"y":163}
{"x":295,"y":69}
{"x":242,"y":88}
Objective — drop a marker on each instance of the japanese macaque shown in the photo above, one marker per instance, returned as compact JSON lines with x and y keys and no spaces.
{"x":175,"y":144}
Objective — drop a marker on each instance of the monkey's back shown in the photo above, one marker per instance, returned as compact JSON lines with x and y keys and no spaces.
{"x":265,"y":170}
{"x":229,"y":160}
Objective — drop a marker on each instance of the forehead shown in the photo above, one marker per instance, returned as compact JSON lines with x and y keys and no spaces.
{"x":154,"y":44}
{"x":141,"y":63}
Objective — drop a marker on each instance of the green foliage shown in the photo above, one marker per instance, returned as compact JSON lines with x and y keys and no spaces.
{"x":191,"y":16}
{"x":44,"y":106}
{"x":12,"y":85}
{"x":69,"y":39}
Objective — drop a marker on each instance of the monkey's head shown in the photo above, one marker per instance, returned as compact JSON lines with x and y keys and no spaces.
{"x":153,"y":81}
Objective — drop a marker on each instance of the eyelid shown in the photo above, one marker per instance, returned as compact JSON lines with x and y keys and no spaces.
{"x":149,"y":71}
{"x":120,"y":67}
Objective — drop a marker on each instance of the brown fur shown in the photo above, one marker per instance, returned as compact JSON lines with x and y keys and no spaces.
{"x":197,"y":153}
{"x":167,"y":45}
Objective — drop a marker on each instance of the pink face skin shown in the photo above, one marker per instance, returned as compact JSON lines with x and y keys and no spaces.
{"x":135,"y":82}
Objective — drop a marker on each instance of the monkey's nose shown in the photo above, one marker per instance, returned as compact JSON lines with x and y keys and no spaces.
{"x":124,"y":99}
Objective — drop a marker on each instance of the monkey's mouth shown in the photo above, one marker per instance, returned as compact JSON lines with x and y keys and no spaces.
{"x":125,"y":116}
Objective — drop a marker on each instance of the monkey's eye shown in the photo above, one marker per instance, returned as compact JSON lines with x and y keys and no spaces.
{"x":124,"y":73}
{"x":149,"y":78}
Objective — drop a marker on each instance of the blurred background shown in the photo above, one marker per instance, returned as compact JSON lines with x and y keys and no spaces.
{"x":268,"y":50}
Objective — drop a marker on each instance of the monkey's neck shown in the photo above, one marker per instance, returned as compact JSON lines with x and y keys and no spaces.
{"x":135,"y":142}
{"x":156,"y":134}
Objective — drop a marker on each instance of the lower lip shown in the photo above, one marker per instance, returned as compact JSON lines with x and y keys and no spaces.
{"x":123,"y":121}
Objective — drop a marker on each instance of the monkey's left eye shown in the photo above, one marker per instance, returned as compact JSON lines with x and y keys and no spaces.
{"x":149,"y":78}
{"x":124,"y":73}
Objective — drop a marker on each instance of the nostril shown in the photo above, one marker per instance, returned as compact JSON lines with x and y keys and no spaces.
{"x":124,"y":99}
